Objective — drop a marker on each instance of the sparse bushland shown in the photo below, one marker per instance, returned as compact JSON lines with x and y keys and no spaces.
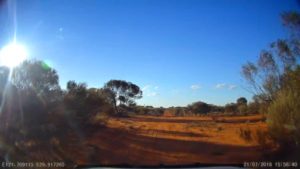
{"x":275,"y":80}
{"x":37,"y":114}
{"x":149,"y":110}
{"x":50,"y":118}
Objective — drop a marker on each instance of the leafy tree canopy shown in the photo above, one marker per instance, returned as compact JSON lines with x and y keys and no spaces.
{"x":122,"y":92}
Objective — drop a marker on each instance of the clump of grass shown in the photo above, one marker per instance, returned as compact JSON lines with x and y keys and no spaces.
{"x":246,"y":134}
{"x":262,"y":138}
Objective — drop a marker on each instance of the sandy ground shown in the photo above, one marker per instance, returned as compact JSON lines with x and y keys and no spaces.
{"x":149,"y":140}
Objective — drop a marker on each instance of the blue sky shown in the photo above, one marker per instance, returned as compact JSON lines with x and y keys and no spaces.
{"x":177,"y":51}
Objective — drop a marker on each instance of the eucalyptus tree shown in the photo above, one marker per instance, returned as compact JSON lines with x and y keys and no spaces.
{"x":120,"y":92}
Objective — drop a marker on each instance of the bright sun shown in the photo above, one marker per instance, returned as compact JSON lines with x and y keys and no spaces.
{"x":12,"y":55}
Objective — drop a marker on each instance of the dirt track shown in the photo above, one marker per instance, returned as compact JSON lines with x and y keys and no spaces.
{"x":145,"y":140}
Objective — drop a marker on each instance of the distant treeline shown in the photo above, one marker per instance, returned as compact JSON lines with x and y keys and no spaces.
{"x":200,"y":108}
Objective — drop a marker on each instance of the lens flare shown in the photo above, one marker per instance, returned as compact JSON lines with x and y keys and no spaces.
{"x":12,"y":55}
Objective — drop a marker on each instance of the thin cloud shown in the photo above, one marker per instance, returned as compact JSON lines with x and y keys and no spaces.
{"x":146,"y":87}
{"x":152,"y":94}
{"x":150,"y":90}
{"x":225,"y":86}
{"x":220,"y":85}
{"x":195,"y":87}
{"x":232,"y":87}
